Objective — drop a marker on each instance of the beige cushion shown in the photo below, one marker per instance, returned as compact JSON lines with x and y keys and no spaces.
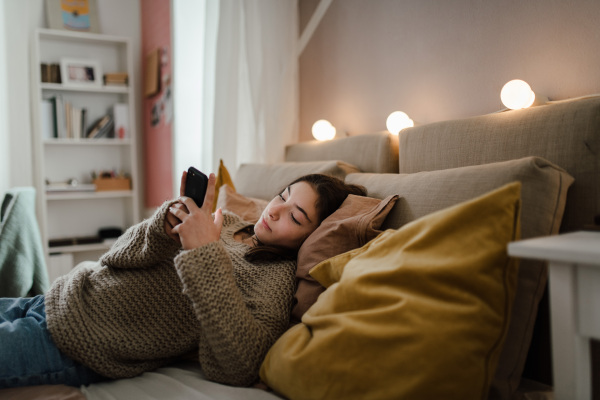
{"x":417,"y":313}
{"x":248,"y":208}
{"x":566,"y":133}
{"x":265,"y":181}
{"x":544,"y":192}
{"x":352,"y":225}
{"x":376,"y":152}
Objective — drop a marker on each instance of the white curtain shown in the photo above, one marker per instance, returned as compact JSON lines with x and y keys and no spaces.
{"x":248,"y":109}
{"x":4,"y":142}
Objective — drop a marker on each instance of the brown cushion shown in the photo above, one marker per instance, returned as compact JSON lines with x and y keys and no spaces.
{"x":544,"y":192}
{"x":248,"y":208}
{"x":352,"y":225}
{"x":265,"y":181}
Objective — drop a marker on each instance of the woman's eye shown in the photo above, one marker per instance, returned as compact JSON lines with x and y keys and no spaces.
{"x":295,"y":220}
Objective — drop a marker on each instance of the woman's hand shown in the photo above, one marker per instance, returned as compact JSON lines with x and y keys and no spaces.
{"x":197,"y":226}
{"x":171,"y":221}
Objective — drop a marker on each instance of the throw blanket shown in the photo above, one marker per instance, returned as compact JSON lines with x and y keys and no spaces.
{"x":22,"y":264}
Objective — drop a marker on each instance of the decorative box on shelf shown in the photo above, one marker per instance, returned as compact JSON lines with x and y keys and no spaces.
{"x":116,"y":183}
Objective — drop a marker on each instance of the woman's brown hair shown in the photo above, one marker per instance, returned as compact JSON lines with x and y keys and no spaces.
{"x":331,"y":193}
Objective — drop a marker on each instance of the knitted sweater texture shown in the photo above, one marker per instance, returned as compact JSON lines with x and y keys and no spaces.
{"x":147,"y":303}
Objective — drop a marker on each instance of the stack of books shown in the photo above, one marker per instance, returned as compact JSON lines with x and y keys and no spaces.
{"x":63,"y":120}
{"x":50,"y":73}
{"x":102,"y":128}
{"x":116,"y":78}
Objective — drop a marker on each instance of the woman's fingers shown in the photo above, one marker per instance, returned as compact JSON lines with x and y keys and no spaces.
{"x":182,"y":184}
{"x":189,"y":203}
{"x":210,"y":192}
{"x":219,"y":220}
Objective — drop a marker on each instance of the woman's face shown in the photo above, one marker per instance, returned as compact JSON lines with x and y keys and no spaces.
{"x":289,"y":218}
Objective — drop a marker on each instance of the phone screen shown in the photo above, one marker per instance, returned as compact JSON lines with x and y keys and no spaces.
{"x":195,"y":185}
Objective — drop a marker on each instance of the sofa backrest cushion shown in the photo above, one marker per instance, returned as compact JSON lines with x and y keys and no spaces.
{"x":376,"y":152}
{"x":265,"y":181}
{"x":566,"y":133}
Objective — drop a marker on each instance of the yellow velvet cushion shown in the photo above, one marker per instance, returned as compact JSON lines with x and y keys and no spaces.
{"x":417,"y":313}
{"x":223,"y":178}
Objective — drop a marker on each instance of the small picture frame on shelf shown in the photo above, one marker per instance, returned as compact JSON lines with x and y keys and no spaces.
{"x":80,"y":72}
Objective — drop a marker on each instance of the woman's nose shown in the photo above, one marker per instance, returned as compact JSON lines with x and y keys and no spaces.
{"x":274,"y":212}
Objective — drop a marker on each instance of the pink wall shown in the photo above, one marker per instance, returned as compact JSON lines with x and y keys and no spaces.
{"x":157,"y":134}
{"x":439,"y":60}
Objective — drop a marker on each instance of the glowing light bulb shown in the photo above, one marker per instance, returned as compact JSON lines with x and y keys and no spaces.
{"x":397,"y":121}
{"x":323,"y":130}
{"x":517,"y":94}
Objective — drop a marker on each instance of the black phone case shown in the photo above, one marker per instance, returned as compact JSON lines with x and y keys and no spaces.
{"x":195,"y":185}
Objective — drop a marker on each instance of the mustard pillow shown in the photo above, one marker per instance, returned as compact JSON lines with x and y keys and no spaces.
{"x":417,"y":313}
{"x":223,"y":178}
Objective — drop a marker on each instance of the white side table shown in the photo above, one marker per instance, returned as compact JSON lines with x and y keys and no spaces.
{"x":574,"y":279}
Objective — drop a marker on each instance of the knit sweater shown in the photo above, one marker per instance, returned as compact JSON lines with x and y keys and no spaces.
{"x":147,"y":303}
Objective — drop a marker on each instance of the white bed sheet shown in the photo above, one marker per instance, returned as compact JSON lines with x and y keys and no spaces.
{"x":181,"y":381}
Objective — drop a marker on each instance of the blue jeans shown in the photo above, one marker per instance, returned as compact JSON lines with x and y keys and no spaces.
{"x":28,"y":356}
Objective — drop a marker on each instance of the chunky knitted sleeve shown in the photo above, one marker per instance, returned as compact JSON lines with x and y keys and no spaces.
{"x":239,"y":322}
{"x":143,"y":244}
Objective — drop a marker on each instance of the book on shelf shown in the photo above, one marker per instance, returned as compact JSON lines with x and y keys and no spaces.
{"x":45,"y":73}
{"x":48,"y":120}
{"x":103,"y":127}
{"x":78,"y":122}
{"x":68,"y":116}
{"x":59,"y":120}
{"x":74,"y":119}
{"x":50,"y":73}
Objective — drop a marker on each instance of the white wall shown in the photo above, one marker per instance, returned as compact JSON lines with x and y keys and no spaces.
{"x":18,"y":20}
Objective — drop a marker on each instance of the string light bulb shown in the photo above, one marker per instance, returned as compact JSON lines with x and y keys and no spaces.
{"x":517,"y":94}
{"x":397,"y":121}
{"x":323,"y":130}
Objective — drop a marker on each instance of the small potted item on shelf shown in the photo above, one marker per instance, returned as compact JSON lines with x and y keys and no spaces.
{"x":110,"y":180}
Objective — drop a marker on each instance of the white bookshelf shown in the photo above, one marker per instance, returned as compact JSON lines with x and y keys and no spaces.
{"x":82,"y":214}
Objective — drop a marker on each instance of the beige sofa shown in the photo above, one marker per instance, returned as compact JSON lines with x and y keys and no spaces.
{"x":553,"y":150}
{"x":437,"y":165}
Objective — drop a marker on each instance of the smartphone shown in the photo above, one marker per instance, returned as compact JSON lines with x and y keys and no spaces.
{"x":195,"y":185}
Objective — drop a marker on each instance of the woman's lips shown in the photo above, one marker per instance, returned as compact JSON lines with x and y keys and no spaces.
{"x":265,"y":223}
